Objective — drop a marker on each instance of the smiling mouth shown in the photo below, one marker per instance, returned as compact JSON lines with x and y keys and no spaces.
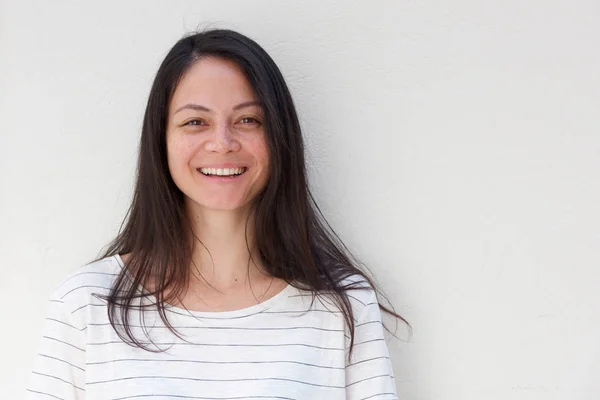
{"x":225,"y":172}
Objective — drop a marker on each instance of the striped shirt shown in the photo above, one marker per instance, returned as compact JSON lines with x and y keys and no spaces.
{"x":283,"y":348}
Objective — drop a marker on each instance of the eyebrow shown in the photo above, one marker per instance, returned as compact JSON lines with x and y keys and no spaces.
{"x":199,"y":107}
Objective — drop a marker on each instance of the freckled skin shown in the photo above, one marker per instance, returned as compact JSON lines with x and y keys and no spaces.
{"x":197,"y":138}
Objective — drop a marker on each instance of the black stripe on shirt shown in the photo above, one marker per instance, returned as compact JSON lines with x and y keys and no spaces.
{"x":217,"y":362}
{"x":67,"y":343}
{"x":46,"y":394}
{"x":215,"y":380}
{"x":60,"y":379}
{"x":209,"y":398}
{"x":220,"y":344}
{"x":58,"y":359}
{"x":366,"y":379}
{"x":64,"y":323}
{"x":83,"y":287}
{"x":227,"y":327}
{"x":368,"y":359}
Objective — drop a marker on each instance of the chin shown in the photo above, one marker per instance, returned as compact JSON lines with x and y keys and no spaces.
{"x":220,"y":205}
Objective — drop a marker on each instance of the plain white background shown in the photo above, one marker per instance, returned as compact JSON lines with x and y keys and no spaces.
{"x":455,"y":146}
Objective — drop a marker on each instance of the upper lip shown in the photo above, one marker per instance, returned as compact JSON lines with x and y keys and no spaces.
{"x":223,"y":165}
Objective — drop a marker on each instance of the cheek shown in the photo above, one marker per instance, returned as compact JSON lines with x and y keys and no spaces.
{"x":264,"y":157}
{"x":179,"y":152}
{"x":261,"y":152}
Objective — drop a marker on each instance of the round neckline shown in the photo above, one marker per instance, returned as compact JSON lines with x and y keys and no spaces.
{"x":240,"y":312}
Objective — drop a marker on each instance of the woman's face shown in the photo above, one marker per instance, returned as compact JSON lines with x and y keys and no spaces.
{"x":216,"y":147}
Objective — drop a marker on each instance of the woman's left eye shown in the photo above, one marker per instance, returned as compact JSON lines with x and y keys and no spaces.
{"x":249,"y":120}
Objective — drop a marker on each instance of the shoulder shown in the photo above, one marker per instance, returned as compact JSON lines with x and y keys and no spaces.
{"x":360,"y":292}
{"x":355,"y":288}
{"x":83,"y":283}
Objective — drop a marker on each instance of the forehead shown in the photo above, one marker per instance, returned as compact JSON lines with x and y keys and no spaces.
{"x":213,"y":82}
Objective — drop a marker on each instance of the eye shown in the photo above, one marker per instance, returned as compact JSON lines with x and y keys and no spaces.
{"x":195,"y":122}
{"x":249,"y":120}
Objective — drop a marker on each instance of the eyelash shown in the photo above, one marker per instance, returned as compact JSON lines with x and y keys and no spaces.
{"x":252,"y":121}
{"x":191,"y":122}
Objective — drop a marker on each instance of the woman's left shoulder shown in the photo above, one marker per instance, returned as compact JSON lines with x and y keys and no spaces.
{"x":359,"y":291}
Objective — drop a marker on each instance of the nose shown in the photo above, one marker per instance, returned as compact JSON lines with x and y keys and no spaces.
{"x":222,"y":140}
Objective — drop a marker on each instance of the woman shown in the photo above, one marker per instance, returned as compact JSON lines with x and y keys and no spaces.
{"x":226,"y":282}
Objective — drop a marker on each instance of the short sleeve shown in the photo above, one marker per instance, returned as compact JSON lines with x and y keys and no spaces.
{"x":369,"y":373}
{"x":59,"y":366}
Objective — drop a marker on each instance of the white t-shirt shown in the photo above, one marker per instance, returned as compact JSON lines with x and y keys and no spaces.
{"x":283,"y":348}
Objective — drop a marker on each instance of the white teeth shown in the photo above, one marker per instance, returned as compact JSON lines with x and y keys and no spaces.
{"x":222,"y":171}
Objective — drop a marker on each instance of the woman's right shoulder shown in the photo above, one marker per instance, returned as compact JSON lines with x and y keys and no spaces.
{"x":96,"y":277}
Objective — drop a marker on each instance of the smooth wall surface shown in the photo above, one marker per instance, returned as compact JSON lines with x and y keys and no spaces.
{"x":455,"y":147}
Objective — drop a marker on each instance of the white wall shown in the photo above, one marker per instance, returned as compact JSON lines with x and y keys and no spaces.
{"x":454,"y":145}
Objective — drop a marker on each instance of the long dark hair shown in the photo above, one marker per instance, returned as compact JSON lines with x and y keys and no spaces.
{"x":293,"y":239}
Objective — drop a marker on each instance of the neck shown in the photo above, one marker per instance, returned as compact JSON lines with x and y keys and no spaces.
{"x":222,"y":248}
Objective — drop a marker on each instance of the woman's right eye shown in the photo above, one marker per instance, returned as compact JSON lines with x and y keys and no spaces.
{"x":195,"y":122}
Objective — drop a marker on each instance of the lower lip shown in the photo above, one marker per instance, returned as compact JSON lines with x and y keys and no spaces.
{"x":222,"y":179}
